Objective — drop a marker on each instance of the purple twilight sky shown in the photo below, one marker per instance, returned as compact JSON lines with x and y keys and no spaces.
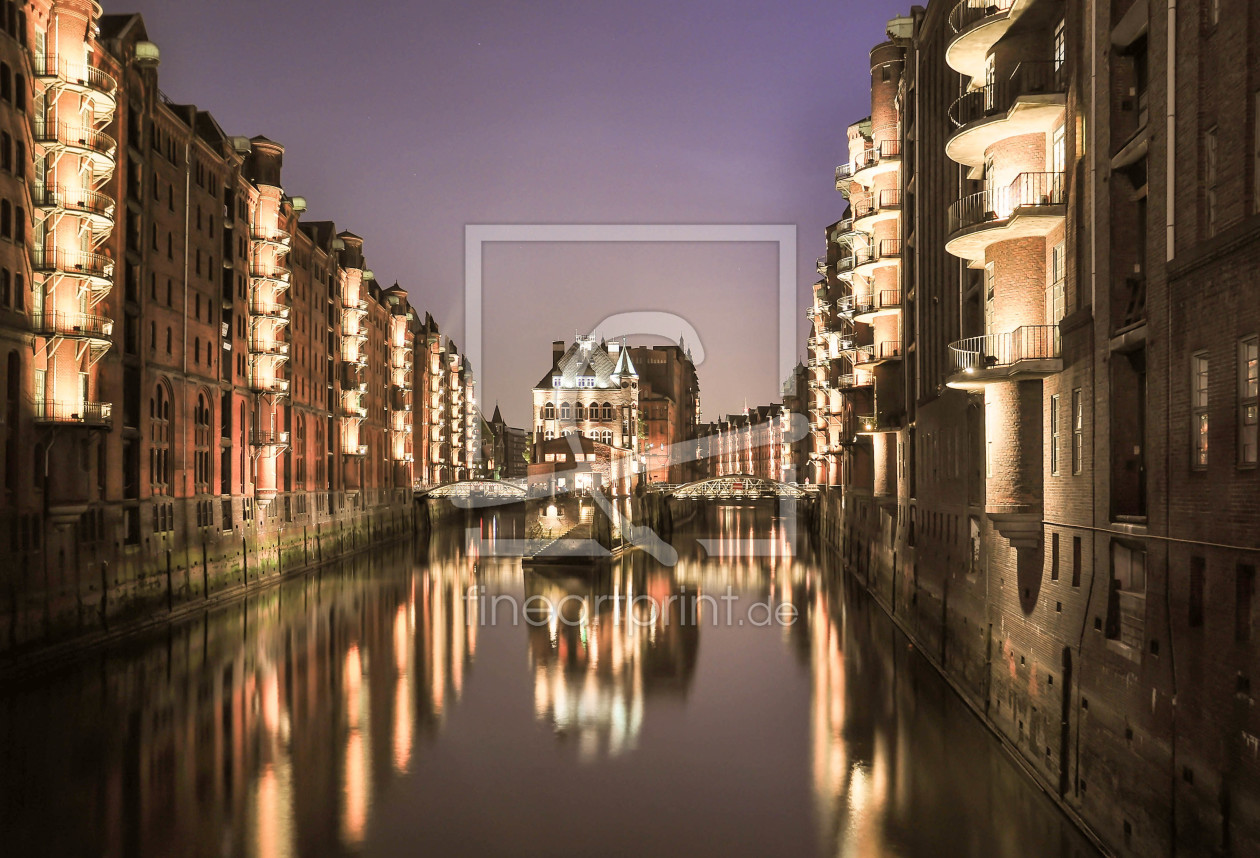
{"x":403,"y":121}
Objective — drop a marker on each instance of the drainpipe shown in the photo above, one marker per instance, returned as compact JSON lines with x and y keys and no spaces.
{"x":1170,"y":155}
{"x":183,"y":445}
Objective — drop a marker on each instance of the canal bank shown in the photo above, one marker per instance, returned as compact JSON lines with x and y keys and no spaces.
{"x":76,"y":592}
{"x":956,"y":636}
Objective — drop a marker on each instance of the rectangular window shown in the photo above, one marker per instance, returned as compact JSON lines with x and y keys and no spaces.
{"x":1076,"y":561}
{"x":1195,"y":602}
{"x":1248,"y":396}
{"x":1056,"y":297}
{"x":1199,"y":410}
{"x":1126,"y":607}
{"x":1058,"y":150}
{"x":1054,"y":438}
{"x":990,"y":285}
{"x":1060,"y":45}
{"x":1078,"y":431}
{"x":1054,"y":557}
{"x":1209,"y":181}
{"x":1244,"y":588}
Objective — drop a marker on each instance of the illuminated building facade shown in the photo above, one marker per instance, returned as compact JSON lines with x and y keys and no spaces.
{"x":201,"y":388}
{"x":1039,"y":494}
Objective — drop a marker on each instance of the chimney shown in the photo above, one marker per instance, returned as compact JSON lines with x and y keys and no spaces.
{"x":557,"y":351}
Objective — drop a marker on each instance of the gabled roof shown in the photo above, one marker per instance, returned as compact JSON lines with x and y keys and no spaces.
{"x":496,"y":417}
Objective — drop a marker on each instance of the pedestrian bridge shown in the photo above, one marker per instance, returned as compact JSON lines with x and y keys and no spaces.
{"x":497,"y":489}
{"x":737,"y":487}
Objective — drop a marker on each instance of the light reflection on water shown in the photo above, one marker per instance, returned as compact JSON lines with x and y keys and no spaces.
{"x":372,"y":708}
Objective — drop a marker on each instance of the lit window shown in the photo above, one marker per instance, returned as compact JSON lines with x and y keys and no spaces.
{"x":1056,"y":300}
{"x":1199,"y":409}
{"x":1078,"y":431}
{"x":1060,"y":46}
{"x":1248,"y":389}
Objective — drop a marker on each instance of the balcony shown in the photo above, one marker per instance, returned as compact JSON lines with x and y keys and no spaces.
{"x":352,"y":410}
{"x":877,"y":353}
{"x":268,"y":438}
{"x":90,"y":82}
{"x":271,"y":272}
{"x":73,"y":263}
{"x":821,"y":264}
{"x":977,"y":26}
{"x":885,"y":302}
{"x":355,"y":450}
{"x":874,"y":424}
{"x":355,"y":306}
{"x":73,"y":326}
{"x":97,"y":146}
{"x":1030,"y":101}
{"x":843,"y":174}
{"x":277,"y":386}
{"x":877,"y":255}
{"x":1032,"y":205}
{"x":270,"y":235}
{"x":1027,"y":353}
{"x":97,"y":207}
{"x":877,"y":207}
{"x":876,"y":161}
{"x":274,"y":348}
{"x":269,"y":310}
{"x":73,"y":413}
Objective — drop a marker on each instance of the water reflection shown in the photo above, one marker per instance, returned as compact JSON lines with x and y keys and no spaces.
{"x":372,"y":708}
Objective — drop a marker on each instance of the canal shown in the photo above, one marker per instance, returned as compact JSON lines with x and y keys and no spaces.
{"x":428,"y":701}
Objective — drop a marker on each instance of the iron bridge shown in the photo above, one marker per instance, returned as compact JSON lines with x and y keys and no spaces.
{"x":737,"y":487}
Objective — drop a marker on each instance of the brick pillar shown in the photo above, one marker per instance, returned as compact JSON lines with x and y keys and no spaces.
{"x":1013,"y":448}
{"x":884,"y":452}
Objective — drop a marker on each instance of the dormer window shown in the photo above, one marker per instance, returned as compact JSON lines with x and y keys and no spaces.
{"x":556,"y":380}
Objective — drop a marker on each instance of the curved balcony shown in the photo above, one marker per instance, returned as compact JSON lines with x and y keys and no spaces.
{"x":356,"y":450}
{"x":270,"y":235}
{"x":822,"y":265}
{"x":876,"y":161}
{"x":73,"y":326}
{"x":1028,"y":352}
{"x":353,"y":410}
{"x":870,"y":211}
{"x":885,"y":302}
{"x":73,"y":412}
{"x":93,"y":267}
{"x":269,"y":310}
{"x":843,"y":174}
{"x":274,"y":348}
{"x":874,"y":424}
{"x":268,"y":438}
{"x":877,"y":353}
{"x":354,"y":305}
{"x":96,"y":207}
{"x":880,"y":254}
{"x":1030,"y":101}
{"x":272,"y":273}
{"x":95,"y":85}
{"x":844,"y":266}
{"x":977,"y":26}
{"x":843,"y":230}
{"x":277,"y":386}
{"x":97,"y":146}
{"x":1031,"y":205}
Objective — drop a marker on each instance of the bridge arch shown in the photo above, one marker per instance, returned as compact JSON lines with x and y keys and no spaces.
{"x":742,"y":486}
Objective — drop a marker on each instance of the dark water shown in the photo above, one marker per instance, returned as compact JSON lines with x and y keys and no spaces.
{"x":374,"y":708}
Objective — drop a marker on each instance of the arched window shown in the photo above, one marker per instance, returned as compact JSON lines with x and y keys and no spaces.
{"x":201,"y":442}
{"x":6,"y":219}
{"x":566,"y":412}
{"x":608,"y":411}
{"x":160,"y":440}
{"x":19,"y":225}
{"x":578,"y":412}
{"x":197,"y":350}
{"x":6,"y":82}
{"x":19,"y":91}
{"x":549,"y":411}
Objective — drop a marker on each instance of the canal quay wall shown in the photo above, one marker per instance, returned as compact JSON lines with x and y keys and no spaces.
{"x":76,"y":591}
{"x":1120,"y":757}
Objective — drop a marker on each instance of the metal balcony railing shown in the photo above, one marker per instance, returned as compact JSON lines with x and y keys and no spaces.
{"x":995,"y":99}
{"x":271,"y":348}
{"x":73,"y":325}
{"x":269,"y":234}
{"x":73,"y":412}
{"x":844,"y":172}
{"x":268,"y":438}
{"x":890,"y":198}
{"x":269,"y":309}
{"x":821,"y":264}
{"x":998,"y":204}
{"x":74,"y":136}
{"x":968,"y":13}
{"x":889,"y":299}
{"x":76,"y":74}
{"x":74,"y":200}
{"x":72,"y":262}
{"x":359,"y":305}
{"x":865,"y":158}
{"x":278,"y":273}
{"x":1030,"y":342}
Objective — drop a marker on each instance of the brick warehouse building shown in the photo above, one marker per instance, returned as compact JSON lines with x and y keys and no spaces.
{"x":1050,"y":481}
{"x":200,"y":388}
